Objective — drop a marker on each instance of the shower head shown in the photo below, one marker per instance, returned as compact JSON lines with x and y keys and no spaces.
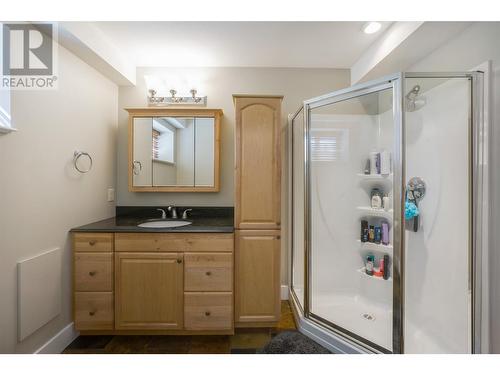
{"x":414,"y":100}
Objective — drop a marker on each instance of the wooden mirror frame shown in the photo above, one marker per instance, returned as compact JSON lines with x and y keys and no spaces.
{"x":216,"y":114}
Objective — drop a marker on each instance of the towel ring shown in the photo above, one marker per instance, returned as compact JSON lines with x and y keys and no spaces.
{"x":77,"y":155}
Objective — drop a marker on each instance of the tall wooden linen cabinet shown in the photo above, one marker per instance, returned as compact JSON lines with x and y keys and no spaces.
{"x":257,"y":210}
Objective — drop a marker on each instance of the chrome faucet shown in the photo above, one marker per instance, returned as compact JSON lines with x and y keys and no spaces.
{"x":184,"y":214}
{"x":163,"y":213}
{"x":173,"y":210}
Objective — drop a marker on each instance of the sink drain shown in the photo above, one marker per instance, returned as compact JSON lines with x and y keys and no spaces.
{"x":369,"y":317}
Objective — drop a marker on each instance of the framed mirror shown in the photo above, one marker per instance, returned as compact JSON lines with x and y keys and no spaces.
{"x":174,"y":150}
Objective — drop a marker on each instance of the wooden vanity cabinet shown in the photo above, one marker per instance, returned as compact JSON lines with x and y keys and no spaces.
{"x":257,"y":259}
{"x":257,"y":213}
{"x":149,"y":291}
{"x":258,"y":162}
{"x":93,"y":281}
{"x":158,"y":283}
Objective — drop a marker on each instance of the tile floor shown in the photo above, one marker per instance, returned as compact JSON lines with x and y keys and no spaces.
{"x":244,"y":341}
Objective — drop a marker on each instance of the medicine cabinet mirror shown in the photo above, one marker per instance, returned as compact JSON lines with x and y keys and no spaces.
{"x":174,"y":150}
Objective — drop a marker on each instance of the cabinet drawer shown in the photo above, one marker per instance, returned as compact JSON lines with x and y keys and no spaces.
{"x":93,"y":242}
{"x":208,"y":311}
{"x":149,"y":242}
{"x":94,"y":272}
{"x":174,"y":242}
{"x":94,"y":310}
{"x":211,"y":242}
{"x":208,"y":272}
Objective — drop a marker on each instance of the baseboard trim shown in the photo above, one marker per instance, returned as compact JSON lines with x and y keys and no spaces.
{"x":284,"y":292}
{"x":60,"y":341}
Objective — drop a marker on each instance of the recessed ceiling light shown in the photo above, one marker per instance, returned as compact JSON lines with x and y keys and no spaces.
{"x":371,"y":27}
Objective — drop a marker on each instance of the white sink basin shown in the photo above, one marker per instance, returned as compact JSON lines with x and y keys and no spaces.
{"x":164,"y":224}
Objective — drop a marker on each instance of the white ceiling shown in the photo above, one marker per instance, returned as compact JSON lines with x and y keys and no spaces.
{"x":258,"y":44}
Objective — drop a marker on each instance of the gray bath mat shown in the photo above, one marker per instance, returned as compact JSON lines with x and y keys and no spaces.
{"x":292,"y":342}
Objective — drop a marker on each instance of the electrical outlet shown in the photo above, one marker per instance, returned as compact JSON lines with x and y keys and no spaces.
{"x":111,"y":195}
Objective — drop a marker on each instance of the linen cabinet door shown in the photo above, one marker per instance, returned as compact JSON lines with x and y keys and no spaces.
{"x":257,"y":286}
{"x":258,"y":162}
{"x":149,"y":291}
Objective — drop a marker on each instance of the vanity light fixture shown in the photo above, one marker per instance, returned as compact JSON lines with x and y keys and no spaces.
{"x":371,"y":27}
{"x":154,"y":100}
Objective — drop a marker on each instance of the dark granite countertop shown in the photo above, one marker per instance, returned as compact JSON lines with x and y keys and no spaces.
{"x":203,"y":219}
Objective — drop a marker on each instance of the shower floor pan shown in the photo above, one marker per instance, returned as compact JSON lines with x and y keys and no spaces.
{"x":357,"y":315}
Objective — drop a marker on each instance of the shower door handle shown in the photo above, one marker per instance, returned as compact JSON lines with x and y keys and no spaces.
{"x":415,"y":220}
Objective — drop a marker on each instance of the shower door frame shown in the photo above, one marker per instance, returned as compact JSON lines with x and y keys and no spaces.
{"x":478,"y":148}
{"x":291,"y":202}
{"x":393,"y":82}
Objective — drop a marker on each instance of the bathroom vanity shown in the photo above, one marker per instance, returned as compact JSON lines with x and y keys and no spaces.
{"x":218,"y":271}
{"x":128,"y":280}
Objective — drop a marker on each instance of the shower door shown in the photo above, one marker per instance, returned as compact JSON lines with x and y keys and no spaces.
{"x":297,"y":204}
{"x":353,"y":188}
{"x":440,"y":146}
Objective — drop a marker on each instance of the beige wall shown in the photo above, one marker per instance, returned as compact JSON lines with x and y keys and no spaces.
{"x":219,"y":84}
{"x":41,"y":195}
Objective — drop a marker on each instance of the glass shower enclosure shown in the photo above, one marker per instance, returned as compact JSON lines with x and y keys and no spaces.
{"x":385,"y":205}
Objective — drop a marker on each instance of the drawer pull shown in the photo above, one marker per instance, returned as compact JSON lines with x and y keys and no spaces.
{"x":278,"y":237}
{"x":92,"y":313}
{"x":92,"y":243}
{"x":179,"y":260}
{"x":207,"y":313}
{"x":208,"y":273}
{"x":92,"y":273}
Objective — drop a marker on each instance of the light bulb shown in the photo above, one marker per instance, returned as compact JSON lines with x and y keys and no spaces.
{"x":371,"y":27}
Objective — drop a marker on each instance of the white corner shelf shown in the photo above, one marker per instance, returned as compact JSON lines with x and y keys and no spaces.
{"x":368,"y":181}
{"x":375,"y":212}
{"x":375,"y":278}
{"x":376,"y":177}
{"x":371,"y":246}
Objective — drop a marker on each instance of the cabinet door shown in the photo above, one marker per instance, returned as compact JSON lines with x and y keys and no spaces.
{"x":149,"y":291}
{"x":258,"y":163}
{"x":142,"y":159}
{"x":257,"y":287}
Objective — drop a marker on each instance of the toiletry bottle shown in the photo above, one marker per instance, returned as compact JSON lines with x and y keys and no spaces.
{"x":386,"y":203}
{"x":367,"y":166}
{"x":373,"y":162}
{"x":386,"y":267}
{"x":381,"y":266}
{"x":378,"y":162}
{"x":376,"y":199}
{"x":378,"y":234}
{"x":371,"y":234}
{"x":385,"y":233}
{"x":370,"y":261}
{"x":385,"y":162}
{"x":364,"y":231}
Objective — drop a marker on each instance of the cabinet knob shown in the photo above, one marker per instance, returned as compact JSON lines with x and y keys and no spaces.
{"x":92,"y":273}
{"x":92,"y":243}
{"x":207,"y":313}
{"x":92,"y":313}
{"x":179,"y":260}
{"x":208,"y":273}
{"x":278,"y":237}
